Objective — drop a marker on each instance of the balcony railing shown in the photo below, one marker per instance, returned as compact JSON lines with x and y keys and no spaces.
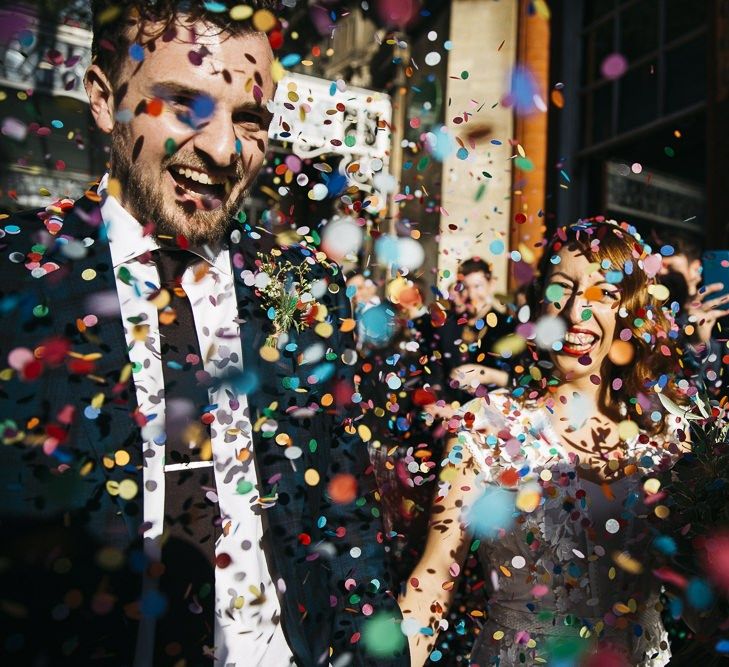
{"x":43,"y":56}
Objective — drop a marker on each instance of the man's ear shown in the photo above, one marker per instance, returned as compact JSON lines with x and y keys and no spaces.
{"x":101,"y":98}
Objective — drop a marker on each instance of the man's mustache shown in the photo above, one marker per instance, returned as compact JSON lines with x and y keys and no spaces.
{"x":235,"y":173}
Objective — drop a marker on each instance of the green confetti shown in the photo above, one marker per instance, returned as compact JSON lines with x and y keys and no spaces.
{"x":554,"y":293}
{"x":480,"y":192}
{"x":41,"y":310}
{"x":350,"y":140}
{"x":243,"y":487}
{"x":125,"y":275}
{"x":381,"y":635}
{"x":669,"y":151}
{"x":524,"y":163}
{"x":170,"y":146}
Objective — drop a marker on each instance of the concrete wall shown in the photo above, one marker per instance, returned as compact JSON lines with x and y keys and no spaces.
{"x":478,"y":206}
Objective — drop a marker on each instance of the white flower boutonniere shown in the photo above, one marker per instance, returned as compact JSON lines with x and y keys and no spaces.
{"x":285,"y":290}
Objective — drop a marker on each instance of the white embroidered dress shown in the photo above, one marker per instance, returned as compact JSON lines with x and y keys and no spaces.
{"x":572,"y":576}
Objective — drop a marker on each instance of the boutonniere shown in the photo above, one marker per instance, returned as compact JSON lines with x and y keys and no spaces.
{"x":286,"y":295}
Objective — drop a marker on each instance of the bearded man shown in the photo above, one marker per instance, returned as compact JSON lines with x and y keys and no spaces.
{"x":182,"y":477}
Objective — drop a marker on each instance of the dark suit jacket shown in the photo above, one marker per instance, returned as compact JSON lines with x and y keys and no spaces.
{"x":71,"y":558}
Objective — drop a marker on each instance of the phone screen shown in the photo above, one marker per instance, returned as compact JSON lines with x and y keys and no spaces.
{"x":715,"y":269}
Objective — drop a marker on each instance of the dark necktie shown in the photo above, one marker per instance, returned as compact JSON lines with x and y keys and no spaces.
{"x":192,"y":516}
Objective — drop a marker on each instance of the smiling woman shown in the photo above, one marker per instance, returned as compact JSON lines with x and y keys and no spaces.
{"x":550,"y":480}
{"x":618,"y":336}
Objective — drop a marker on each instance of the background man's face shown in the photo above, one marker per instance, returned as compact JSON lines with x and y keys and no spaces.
{"x":479,"y":290}
{"x":198,"y":132}
{"x":689,"y":269}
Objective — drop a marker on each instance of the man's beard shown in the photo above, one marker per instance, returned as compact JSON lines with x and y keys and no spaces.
{"x":143,"y":197}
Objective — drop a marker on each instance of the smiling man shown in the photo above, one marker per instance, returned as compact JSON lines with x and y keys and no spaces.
{"x":175,"y":490}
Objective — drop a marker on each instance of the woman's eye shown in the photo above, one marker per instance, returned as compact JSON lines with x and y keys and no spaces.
{"x":610,"y":294}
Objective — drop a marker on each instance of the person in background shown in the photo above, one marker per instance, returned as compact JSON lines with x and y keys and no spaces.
{"x":466,"y":339}
{"x":705,"y":354}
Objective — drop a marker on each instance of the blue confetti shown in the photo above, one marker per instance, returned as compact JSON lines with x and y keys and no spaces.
{"x":291,"y":59}
{"x":203,"y":107}
{"x":492,"y":512}
{"x":136,"y":52}
{"x":699,"y":594}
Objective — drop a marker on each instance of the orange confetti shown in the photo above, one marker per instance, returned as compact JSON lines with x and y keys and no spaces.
{"x":557,"y":99}
{"x":342,"y":488}
{"x":347,"y":325}
{"x":155,"y":107}
{"x":509,"y":477}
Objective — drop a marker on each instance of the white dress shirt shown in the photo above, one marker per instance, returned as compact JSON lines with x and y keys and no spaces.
{"x":247,"y":611}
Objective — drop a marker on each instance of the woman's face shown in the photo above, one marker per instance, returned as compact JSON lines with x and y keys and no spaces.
{"x":577,"y":291}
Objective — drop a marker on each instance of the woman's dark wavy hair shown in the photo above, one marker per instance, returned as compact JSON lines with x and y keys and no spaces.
{"x":118,"y":24}
{"x":655,"y":352}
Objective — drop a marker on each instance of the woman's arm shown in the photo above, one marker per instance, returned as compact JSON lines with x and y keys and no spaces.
{"x":430,"y":587}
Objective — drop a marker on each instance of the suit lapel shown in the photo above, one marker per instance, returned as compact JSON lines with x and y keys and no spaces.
{"x":105,"y":396}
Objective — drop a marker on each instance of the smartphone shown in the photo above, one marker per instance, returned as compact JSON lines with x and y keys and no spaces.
{"x":715,"y":269}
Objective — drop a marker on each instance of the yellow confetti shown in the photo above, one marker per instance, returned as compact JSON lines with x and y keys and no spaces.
{"x":662,"y":512}
{"x":88,"y":274}
{"x":364,"y":432}
{"x":498,"y":635}
{"x":241,"y":12}
{"x":283,"y":439}
{"x":112,"y":487}
{"x":45,"y":192}
{"x":264,"y":20}
{"x":527,"y":500}
{"x":324,"y":329}
{"x":505,"y":571}
{"x":659,"y":292}
{"x":652,"y":485}
{"x":627,"y":430}
{"x":121,"y":457}
{"x":510,"y":345}
{"x":311,"y":477}
{"x":277,"y":71}
{"x":626,"y":562}
{"x":128,"y":489}
{"x":269,"y":353}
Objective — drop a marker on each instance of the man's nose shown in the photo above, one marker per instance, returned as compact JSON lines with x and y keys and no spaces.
{"x":216,"y":140}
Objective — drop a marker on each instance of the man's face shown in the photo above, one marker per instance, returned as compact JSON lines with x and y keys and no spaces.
{"x":689,"y":269}
{"x":198,"y":130}
{"x":479,"y":290}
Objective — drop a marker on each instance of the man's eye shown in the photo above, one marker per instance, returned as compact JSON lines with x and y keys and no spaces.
{"x":246,"y":118}
{"x":179,"y":101}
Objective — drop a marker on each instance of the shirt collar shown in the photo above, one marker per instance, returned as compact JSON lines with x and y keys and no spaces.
{"x":127,"y":239}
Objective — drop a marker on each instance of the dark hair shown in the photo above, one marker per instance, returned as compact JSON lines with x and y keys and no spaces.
{"x":683,"y":243}
{"x":474,"y":265}
{"x":112,"y":20}
{"x":655,"y":354}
